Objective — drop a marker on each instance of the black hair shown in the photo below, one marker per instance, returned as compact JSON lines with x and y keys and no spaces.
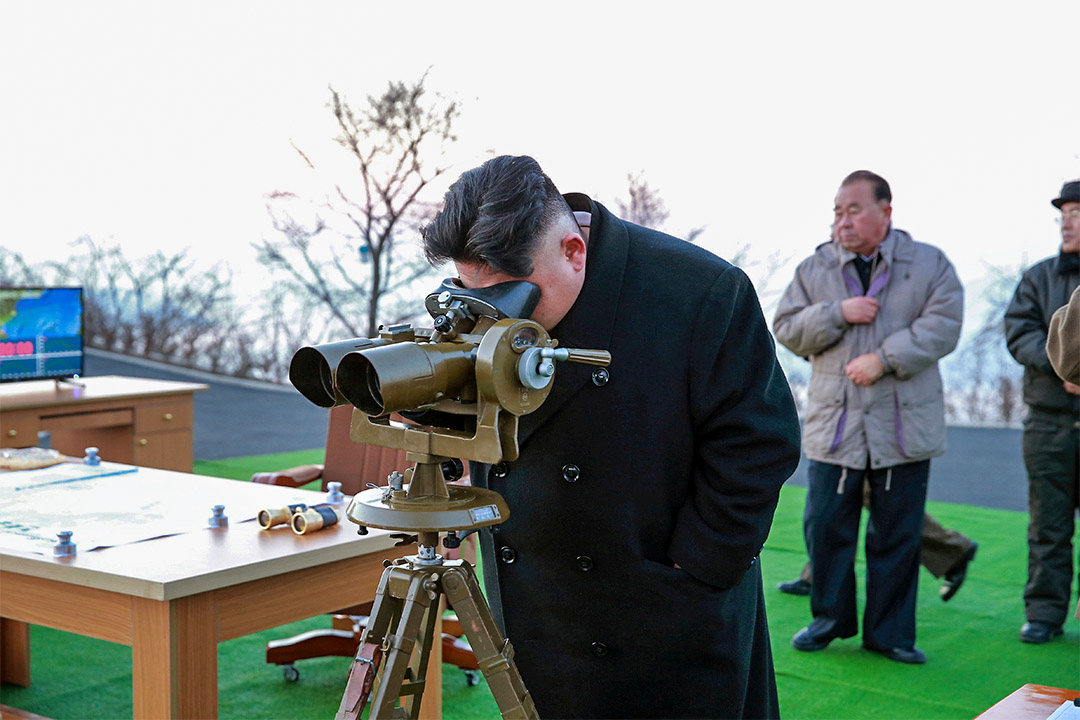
{"x":495,"y":214}
{"x":881,"y":187}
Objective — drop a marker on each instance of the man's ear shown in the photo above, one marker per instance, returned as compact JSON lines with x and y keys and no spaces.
{"x":887,"y":210}
{"x":572,"y":248}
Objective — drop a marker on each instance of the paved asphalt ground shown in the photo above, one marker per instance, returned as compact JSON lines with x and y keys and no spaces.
{"x":983,"y":466}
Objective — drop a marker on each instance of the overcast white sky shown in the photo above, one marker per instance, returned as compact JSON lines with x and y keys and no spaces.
{"x":163,"y":125}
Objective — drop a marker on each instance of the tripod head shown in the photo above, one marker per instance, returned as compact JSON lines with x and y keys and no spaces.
{"x":463,"y":384}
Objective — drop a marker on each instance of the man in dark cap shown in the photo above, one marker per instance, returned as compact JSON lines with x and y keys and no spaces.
{"x":1051,"y":429}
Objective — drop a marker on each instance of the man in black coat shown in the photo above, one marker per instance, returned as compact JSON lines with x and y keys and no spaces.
{"x":627,"y":575}
{"x":1051,"y":428}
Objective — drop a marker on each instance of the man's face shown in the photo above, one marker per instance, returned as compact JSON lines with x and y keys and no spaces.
{"x":859,"y":221}
{"x":1070,"y":227}
{"x":558,"y":270}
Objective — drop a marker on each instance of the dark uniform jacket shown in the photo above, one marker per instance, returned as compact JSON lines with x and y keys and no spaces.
{"x":1044,"y":288}
{"x":675,"y":454}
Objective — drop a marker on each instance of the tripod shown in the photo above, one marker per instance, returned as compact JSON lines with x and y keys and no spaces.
{"x":395,"y":647}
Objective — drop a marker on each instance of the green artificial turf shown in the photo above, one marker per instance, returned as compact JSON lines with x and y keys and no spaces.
{"x":975,"y":657}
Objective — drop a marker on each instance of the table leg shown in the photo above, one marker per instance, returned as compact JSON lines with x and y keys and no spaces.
{"x":14,"y":652}
{"x":174,"y":657}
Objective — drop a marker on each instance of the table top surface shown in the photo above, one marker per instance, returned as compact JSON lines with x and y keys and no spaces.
{"x":47,"y":393}
{"x":1030,"y":702}
{"x":166,"y":568}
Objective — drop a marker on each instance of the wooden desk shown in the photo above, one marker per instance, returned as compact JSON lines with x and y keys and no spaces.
{"x":173,"y":599}
{"x":131,"y":420}
{"x":1031,"y":702}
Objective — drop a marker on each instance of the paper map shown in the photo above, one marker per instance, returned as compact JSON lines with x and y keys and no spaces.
{"x":112,"y":504}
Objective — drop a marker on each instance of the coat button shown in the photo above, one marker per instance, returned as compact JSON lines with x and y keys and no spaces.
{"x":571,"y":472}
{"x":585,"y":563}
{"x":507,"y":554}
{"x":599,"y":649}
{"x":500,"y":470}
{"x":600,"y":377}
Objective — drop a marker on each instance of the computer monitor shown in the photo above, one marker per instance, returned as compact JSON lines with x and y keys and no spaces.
{"x":41,"y":333}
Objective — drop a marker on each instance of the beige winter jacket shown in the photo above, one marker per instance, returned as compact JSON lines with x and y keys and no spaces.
{"x":1063,"y":340}
{"x":901,"y":417}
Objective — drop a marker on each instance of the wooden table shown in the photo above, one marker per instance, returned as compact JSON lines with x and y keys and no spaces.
{"x":132,"y":420}
{"x":1031,"y":702}
{"x":173,"y":599}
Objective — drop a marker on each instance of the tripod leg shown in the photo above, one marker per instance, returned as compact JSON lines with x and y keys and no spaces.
{"x":369,"y":655}
{"x":494,"y":654}
{"x":417,"y":590}
{"x":421,"y":657}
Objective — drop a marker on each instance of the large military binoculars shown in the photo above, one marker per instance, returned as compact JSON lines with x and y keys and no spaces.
{"x":459,"y":387}
{"x":479,"y":354}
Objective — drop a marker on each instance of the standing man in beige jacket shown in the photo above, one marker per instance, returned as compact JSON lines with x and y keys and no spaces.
{"x":874,"y":311}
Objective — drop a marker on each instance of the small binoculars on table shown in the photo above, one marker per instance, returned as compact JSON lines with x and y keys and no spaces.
{"x":301,"y":518}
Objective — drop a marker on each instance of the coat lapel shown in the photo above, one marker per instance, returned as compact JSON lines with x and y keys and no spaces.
{"x":590,"y":323}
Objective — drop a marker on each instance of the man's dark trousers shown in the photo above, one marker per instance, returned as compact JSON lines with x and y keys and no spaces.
{"x":1052,"y":457}
{"x":893,"y":540}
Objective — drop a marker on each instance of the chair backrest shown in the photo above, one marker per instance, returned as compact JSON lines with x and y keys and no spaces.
{"x":352,"y":464}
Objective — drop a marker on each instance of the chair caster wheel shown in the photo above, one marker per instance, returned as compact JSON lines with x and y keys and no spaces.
{"x":472,"y":678}
{"x":290,"y":672}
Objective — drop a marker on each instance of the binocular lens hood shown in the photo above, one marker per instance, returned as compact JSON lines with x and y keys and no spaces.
{"x":313,"y":369}
{"x":403,"y":376}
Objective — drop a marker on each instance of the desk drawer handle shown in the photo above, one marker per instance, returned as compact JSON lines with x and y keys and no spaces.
{"x":143,"y":442}
{"x":167,"y":416}
{"x":12,"y":433}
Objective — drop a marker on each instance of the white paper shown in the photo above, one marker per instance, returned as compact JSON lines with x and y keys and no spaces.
{"x":114,"y":504}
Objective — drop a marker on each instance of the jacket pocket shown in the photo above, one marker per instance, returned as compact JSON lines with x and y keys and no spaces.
{"x":824,"y":404}
{"x":921,"y":407}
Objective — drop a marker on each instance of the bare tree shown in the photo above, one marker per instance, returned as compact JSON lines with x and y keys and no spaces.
{"x":645,"y":206}
{"x":347,"y":252}
{"x":14,"y":270}
{"x":162,"y":307}
{"x":982,"y":376}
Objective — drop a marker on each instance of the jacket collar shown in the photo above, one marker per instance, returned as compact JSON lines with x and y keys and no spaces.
{"x":591,"y":321}
{"x":1068,"y":263}
{"x":897,"y":246}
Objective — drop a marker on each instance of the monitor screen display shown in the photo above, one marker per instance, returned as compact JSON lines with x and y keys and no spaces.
{"x":41,"y":333}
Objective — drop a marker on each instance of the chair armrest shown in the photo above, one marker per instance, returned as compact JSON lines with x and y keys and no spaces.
{"x":293,"y":477}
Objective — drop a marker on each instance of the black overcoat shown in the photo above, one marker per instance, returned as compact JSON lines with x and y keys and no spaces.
{"x":675,"y":455}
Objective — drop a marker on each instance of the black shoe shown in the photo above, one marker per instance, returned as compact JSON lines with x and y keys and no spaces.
{"x":956,"y":575}
{"x":914,"y":656}
{"x":1037,"y":633}
{"x":795,"y":587}
{"x":807,"y":642}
